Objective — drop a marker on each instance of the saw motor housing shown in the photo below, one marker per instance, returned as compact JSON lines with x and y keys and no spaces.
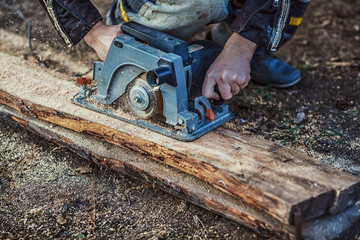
{"x":172,"y":66}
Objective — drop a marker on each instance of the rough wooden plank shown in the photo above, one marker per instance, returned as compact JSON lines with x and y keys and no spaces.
{"x":275,"y":179}
{"x":341,"y":226}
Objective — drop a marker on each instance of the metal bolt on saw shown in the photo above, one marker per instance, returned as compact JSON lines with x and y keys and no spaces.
{"x":152,"y":75}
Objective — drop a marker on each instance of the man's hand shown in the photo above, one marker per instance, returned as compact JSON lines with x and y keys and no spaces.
{"x":101,"y":36}
{"x":231,"y":69}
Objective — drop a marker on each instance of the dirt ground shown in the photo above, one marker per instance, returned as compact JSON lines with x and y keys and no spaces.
{"x":48,"y":192}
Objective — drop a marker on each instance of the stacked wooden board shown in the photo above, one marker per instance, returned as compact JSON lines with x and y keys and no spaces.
{"x":272,"y":189}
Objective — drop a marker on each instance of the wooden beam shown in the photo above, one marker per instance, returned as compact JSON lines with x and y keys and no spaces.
{"x":341,"y":226}
{"x":265,"y":175}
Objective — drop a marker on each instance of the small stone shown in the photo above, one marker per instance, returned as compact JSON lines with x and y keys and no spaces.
{"x":84,"y":169}
{"x":35,"y":211}
{"x":299,"y":117}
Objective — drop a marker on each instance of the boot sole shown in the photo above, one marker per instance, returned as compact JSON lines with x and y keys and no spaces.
{"x":278,"y":85}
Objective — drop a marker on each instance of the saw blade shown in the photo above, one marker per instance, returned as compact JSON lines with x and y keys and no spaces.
{"x":143,"y":101}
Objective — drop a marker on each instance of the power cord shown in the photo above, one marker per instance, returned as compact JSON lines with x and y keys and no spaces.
{"x":21,"y":15}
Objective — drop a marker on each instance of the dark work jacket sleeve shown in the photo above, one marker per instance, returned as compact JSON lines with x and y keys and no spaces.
{"x":263,"y":22}
{"x":73,"y":19}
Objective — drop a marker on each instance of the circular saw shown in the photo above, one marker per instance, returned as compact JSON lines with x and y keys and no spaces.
{"x":147,"y":74}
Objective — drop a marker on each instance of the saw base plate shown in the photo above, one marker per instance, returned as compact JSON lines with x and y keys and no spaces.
{"x":171,"y":131}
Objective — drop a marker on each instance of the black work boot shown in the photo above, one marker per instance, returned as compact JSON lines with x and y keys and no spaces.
{"x":269,"y":70}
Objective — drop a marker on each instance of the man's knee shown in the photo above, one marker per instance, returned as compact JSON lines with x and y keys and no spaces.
{"x":181,"y":19}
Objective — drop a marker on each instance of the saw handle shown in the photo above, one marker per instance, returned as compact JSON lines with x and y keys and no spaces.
{"x":157,"y":39}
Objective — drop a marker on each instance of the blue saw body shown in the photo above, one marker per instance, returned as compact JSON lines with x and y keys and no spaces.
{"x":158,"y":79}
